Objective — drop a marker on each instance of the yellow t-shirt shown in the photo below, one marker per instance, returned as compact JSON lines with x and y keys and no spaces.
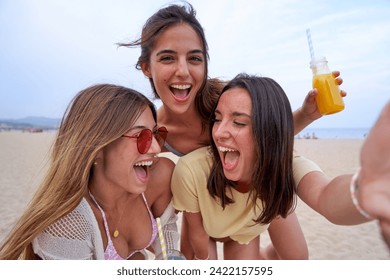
{"x":190,"y":194}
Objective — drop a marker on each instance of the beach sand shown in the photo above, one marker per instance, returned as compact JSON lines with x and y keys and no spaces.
{"x":23,"y":162}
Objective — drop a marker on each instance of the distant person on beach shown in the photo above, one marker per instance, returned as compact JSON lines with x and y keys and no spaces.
{"x":174,"y":56}
{"x":232,"y":192}
{"x":94,"y":202}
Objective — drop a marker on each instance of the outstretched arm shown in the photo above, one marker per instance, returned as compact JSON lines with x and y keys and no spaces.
{"x":373,"y":192}
{"x":332,"y":198}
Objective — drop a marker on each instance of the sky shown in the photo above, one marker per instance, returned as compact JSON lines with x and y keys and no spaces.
{"x":50,"y":50}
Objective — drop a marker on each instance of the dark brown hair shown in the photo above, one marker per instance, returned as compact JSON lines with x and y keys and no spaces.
{"x":272,"y":124}
{"x":151,"y":31}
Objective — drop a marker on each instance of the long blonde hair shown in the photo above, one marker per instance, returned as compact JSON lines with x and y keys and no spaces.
{"x":96,"y":117}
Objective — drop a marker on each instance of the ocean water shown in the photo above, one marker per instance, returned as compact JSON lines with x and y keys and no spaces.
{"x":334,"y":133}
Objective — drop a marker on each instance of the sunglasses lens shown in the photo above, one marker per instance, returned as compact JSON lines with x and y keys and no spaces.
{"x":161,"y":135}
{"x":144,"y":141}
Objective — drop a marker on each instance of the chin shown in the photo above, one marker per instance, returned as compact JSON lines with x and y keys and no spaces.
{"x":231,"y":177}
{"x":139,"y":190}
{"x":137,"y":186}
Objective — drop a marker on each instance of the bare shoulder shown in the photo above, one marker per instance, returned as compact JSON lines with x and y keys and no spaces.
{"x":161,"y":173}
{"x":162,"y":169}
{"x":158,"y":192}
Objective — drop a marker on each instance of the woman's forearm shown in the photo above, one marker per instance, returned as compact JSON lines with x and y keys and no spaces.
{"x":331,"y":198}
{"x":197,"y":236}
{"x":301,"y":121}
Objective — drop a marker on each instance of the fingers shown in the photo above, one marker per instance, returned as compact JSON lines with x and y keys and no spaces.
{"x":339,"y":80}
{"x":310,"y":97}
{"x":336,"y":73}
{"x":312,"y":93}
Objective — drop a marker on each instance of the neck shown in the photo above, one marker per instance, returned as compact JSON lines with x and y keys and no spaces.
{"x":242,"y":187}
{"x":110,"y":200}
{"x":166,"y":116}
{"x":114,"y":216}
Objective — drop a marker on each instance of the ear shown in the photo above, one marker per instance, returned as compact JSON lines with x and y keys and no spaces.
{"x":99,"y":157}
{"x":146,"y":69}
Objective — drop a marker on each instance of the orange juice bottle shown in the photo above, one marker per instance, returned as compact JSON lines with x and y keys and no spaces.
{"x":329,"y":100}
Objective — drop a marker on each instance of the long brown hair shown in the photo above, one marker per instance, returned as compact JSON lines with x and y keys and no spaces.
{"x":96,"y":117}
{"x":272,"y":124}
{"x":154,"y":27}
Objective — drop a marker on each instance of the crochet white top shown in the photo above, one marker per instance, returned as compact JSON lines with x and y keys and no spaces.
{"x":77,"y":236}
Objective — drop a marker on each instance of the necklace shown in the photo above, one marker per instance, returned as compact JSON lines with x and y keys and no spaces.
{"x":116,"y":231}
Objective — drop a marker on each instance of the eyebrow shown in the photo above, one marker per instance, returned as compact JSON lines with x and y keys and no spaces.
{"x":141,"y":127}
{"x":173,"y":52}
{"x":235,"y":114}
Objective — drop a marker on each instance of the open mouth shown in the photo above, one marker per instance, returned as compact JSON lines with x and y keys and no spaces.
{"x":141,"y":169}
{"x":181,"y":92}
{"x":229,"y":157}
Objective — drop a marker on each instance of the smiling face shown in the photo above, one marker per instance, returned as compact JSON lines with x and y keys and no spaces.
{"x":233,"y":135}
{"x":120,"y":164}
{"x":177,"y":67}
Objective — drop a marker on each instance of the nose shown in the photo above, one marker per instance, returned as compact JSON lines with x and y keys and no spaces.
{"x":155,"y":146}
{"x":182,"y":68}
{"x":220,"y":131}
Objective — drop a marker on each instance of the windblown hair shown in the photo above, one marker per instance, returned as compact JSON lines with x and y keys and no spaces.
{"x":158,"y":23}
{"x":96,"y":117}
{"x":272,"y":124}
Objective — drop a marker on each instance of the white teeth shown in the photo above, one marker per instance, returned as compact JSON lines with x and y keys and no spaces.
{"x":224,"y":149}
{"x":144,"y":163}
{"x":181,"y":86}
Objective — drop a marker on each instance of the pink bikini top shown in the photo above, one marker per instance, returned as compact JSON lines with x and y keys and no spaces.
{"x":110,"y":253}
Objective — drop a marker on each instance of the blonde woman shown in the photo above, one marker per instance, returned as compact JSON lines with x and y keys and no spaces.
{"x":93,"y":202}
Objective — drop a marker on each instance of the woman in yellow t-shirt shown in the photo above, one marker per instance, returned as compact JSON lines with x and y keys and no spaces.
{"x":249,"y":177}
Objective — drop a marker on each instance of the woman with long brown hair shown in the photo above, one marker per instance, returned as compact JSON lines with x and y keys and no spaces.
{"x":93,"y":202}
